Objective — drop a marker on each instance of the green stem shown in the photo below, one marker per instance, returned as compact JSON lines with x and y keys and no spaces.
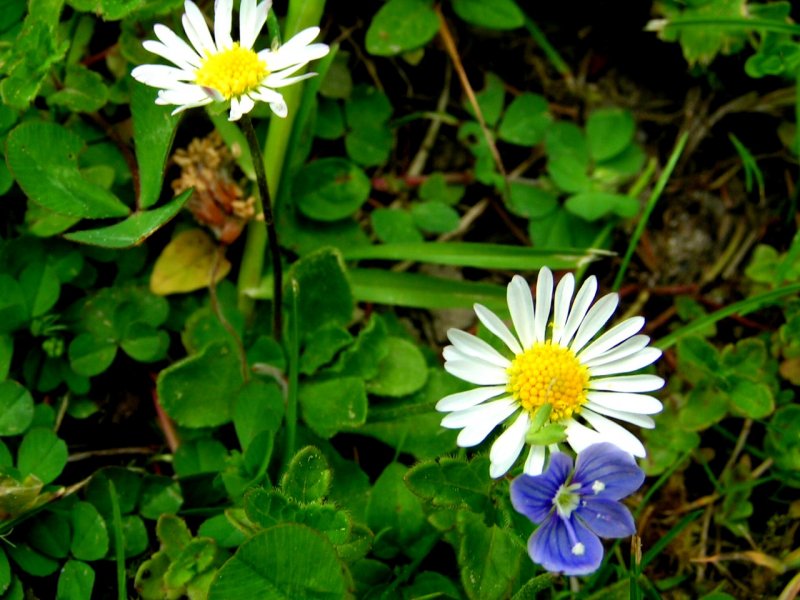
{"x":119,"y":543}
{"x":552,"y":54}
{"x":648,"y":209}
{"x":269,"y":221}
{"x":294,"y":359}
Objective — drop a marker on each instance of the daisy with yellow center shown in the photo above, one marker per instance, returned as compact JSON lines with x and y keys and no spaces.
{"x":217,"y":69}
{"x":562,"y":383}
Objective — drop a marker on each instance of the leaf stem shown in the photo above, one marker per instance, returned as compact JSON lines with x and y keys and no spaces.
{"x":293,"y":351}
{"x":269,"y":221}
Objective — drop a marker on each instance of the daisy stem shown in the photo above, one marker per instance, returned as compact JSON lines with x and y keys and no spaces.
{"x":269,"y":221}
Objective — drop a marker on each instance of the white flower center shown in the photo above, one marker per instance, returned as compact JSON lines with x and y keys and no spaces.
{"x":232,"y":72}
{"x":578,"y":549}
{"x":566,"y":500}
{"x":547,"y":373}
{"x":598,"y":486}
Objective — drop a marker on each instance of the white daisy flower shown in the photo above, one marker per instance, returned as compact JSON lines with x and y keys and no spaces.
{"x":563,"y":384}
{"x":220,"y":70}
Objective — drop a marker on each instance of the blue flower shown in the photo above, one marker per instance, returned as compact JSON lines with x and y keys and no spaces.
{"x":574,"y":508}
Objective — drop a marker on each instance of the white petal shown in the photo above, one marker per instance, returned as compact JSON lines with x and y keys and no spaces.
{"x":634,"y":403}
{"x":615,"y":433}
{"x":581,"y":304}
{"x":561,"y":305}
{"x":630,"y":346}
{"x":594,"y":321}
{"x":223,"y":10}
{"x":534,"y":464}
{"x":508,"y":445}
{"x":451,"y":353}
{"x":273,"y":98}
{"x":476,"y":372}
{"x":161,"y":76}
{"x":246,"y":104}
{"x":463,"y":400}
{"x":481,"y":421}
{"x":184,"y":94}
{"x":474,"y":346}
{"x":236,"y":110}
{"x":493,"y":323}
{"x":176,"y":46}
{"x":277,"y":80}
{"x":251,"y":20}
{"x":628,"y":364}
{"x":292,"y":53}
{"x":627,"y":383}
{"x":194,"y":24}
{"x":520,"y":305}
{"x":611,"y":338}
{"x":579,"y":437}
{"x":635,"y":419}
{"x":544,"y":296}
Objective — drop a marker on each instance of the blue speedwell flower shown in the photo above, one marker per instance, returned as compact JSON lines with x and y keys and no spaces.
{"x":575,"y":508}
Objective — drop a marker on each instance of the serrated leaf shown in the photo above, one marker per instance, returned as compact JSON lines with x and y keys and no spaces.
{"x":135,"y":229}
{"x":452,"y":482}
{"x":285,"y":561}
{"x":84,"y":90}
{"x":43,"y":157}
{"x":308,"y":476}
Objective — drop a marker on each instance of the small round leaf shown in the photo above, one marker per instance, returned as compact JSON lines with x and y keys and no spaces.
{"x":330,"y":189}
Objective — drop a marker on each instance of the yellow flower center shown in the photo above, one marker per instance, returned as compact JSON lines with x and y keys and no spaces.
{"x":232,"y":72}
{"x":547,"y":373}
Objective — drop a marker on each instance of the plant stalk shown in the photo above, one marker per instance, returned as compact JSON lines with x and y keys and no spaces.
{"x":271,"y":230}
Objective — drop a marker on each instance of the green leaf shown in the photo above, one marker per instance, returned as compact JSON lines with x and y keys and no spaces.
{"x":525,"y":121}
{"x":490,"y":99}
{"x":367,"y":107}
{"x":109,"y":10}
{"x":259,"y":407}
{"x":609,"y":131}
{"x":135,"y":229}
{"x":568,"y":156}
{"x":144,"y":343}
{"x":153,"y":131}
{"x":333,"y":405}
{"x":395,"y":513}
{"x":469,"y":254}
{"x":369,"y":146}
{"x":43,"y":158}
{"x":75,"y":582}
{"x":751,"y":399}
{"x":32,"y":54}
{"x":330,"y":189}
{"x":40,"y":286}
{"x":198,"y":391}
{"x":782,"y":442}
{"x":402,"y":371}
{"x":5,"y":572}
{"x":411,"y":424}
{"x":499,"y":14}
{"x":84,"y":91}
{"x":596,"y":205}
{"x":195,"y":457}
{"x":531,"y":201}
{"x":393,"y":226}
{"x":435,"y":188}
{"x":308,"y":476}
{"x":329,"y":124}
{"x":13,"y":307}
{"x":90,"y":355}
{"x":324,"y":298}
{"x":16,"y":408}
{"x":90,"y":535}
{"x":284,"y":562}
{"x":30,"y":561}
{"x":706,"y":404}
{"x":423,"y":291}
{"x":50,"y":534}
{"x":401,"y":25}
{"x":320,"y":349}
{"x":450,"y":482}
{"x":160,"y":496}
{"x":489,"y":557}
{"x":42,"y":453}
{"x":127,"y":483}
{"x":434,"y":217}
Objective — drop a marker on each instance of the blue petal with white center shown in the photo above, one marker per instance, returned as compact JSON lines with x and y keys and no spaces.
{"x":574,"y":508}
